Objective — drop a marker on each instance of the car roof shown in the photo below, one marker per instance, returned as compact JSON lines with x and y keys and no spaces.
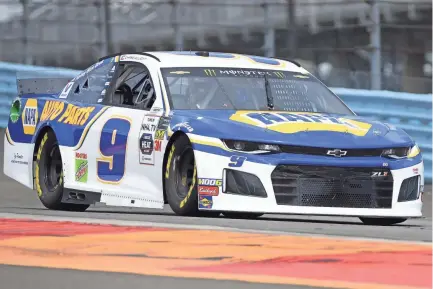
{"x":219,"y":59}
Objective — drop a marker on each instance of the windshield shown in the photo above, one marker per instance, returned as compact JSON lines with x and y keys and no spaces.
{"x":249,"y":89}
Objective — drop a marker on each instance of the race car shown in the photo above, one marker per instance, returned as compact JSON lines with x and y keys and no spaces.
{"x":208,"y":133}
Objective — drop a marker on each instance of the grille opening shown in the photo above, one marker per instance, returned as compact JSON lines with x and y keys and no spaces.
{"x":345,"y":187}
{"x":409,"y":190}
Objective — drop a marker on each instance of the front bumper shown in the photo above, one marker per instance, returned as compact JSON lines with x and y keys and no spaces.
{"x":362,"y":195}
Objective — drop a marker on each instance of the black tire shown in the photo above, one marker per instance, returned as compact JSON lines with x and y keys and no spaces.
{"x":241,"y":215}
{"x":381,"y":221}
{"x":49,"y":175}
{"x":180,"y":178}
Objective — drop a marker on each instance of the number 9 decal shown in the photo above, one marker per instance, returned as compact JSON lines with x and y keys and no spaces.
{"x":112,"y":147}
{"x":236,"y":161}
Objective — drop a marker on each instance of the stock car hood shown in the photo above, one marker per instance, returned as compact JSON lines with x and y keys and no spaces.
{"x":299,"y":129}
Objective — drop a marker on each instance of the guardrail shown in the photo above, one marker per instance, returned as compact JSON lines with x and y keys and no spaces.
{"x":411,"y":112}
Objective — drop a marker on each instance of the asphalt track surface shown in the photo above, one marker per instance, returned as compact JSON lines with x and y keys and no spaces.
{"x":17,"y":200}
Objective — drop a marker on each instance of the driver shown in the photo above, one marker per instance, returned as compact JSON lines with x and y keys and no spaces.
{"x":199,"y":88}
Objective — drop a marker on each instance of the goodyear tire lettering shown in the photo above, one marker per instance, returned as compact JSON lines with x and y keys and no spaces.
{"x":190,"y":188}
{"x":38,"y":158}
{"x":170,"y":157}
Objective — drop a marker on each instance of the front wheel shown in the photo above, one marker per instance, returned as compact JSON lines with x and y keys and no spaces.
{"x":381,"y":221}
{"x":180,"y":178}
{"x":49,"y":175}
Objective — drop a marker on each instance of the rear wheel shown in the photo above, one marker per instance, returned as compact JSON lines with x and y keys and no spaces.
{"x":381,"y":221}
{"x":180,"y":177}
{"x":49,"y":175}
{"x":239,"y":215}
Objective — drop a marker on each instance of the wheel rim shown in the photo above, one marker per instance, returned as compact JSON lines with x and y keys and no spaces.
{"x":185,"y":172}
{"x":53,"y":167}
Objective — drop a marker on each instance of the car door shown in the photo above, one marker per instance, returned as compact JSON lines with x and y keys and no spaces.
{"x":121,"y":150}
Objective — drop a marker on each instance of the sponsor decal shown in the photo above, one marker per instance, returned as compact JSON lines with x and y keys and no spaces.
{"x":30,"y":116}
{"x":156,"y":109}
{"x":151,"y":119}
{"x":52,"y":109}
{"x":210,"y":182}
{"x":279,"y":74}
{"x":208,"y":190}
{"x":158,"y":145}
{"x":66,"y":90}
{"x":183,"y":124}
{"x":148,"y":127}
{"x":379,"y":174}
{"x":164,"y":122}
{"x":15,"y":110}
{"x":81,"y":167}
{"x":205,"y":202}
{"x":146,"y":144}
{"x":73,"y":115}
{"x":180,"y":72}
{"x":19,"y":159}
{"x":290,"y":122}
{"x":385,"y":164}
{"x":132,"y":57}
{"x":88,"y":70}
{"x":415,"y":171}
{"x":159,"y":134}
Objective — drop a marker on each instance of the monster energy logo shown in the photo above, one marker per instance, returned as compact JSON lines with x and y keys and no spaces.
{"x":279,"y":74}
{"x":210,"y":72}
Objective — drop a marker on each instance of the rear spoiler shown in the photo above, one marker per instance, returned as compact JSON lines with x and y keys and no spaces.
{"x":44,"y":86}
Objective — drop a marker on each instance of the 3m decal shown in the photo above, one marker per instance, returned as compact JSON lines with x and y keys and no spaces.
{"x":112,"y":147}
{"x":205,"y":202}
{"x":30,"y":116}
{"x":66,"y":90}
{"x":76,"y":115}
{"x":52,"y":109}
{"x":81,"y":167}
{"x":158,"y":145}
{"x":236,"y":161}
{"x":210,"y":182}
{"x":208,"y":190}
{"x":289,"y":122}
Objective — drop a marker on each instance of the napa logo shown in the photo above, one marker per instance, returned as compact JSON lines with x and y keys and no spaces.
{"x":30,"y":116}
{"x":289,"y":122}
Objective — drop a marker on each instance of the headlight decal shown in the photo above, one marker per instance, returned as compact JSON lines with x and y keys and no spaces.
{"x":414,"y":151}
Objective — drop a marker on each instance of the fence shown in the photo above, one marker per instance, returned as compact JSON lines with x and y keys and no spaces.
{"x":344,"y":33}
{"x":411,"y":112}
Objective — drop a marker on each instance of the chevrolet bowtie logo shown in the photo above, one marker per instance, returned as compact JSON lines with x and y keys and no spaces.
{"x":336,"y":153}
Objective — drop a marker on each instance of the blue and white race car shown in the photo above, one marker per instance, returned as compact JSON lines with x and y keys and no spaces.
{"x":208,"y":133}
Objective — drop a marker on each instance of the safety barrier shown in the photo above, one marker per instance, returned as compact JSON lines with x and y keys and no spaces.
{"x":411,"y":112}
